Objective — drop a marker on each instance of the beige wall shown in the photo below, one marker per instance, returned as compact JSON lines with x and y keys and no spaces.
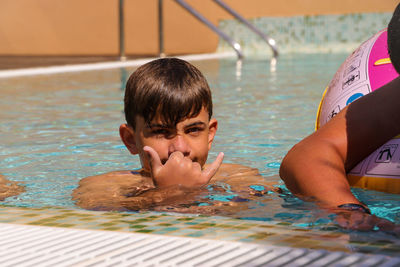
{"x":58,"y":27}
{"x":90,"y":27}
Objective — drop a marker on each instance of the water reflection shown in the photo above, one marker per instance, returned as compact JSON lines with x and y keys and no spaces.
{"x":124,"y":75}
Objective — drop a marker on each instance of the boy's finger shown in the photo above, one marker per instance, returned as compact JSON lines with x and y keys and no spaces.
{"x":213,"y":168}
{"x":154,"y":158}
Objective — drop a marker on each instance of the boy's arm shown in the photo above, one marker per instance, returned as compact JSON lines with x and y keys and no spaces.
{"x":317,"y":166}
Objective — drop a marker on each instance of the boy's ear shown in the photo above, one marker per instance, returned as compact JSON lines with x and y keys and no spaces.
{"x":212,"y":130}
{"x":127,"y":135}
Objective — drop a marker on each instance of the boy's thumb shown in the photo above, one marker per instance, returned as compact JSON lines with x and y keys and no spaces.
{"x":154,"y":158}
{"x":210,"y":171}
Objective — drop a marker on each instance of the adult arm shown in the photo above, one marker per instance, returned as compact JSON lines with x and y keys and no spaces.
{"x":316,"y":167}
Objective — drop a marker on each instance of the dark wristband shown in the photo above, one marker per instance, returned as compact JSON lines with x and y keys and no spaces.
{"x":354,"y":206}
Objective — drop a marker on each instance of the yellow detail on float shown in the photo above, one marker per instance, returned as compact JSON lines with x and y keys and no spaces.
{"x":319,"y":109}
{"x":382,"y":61}
{"x":389,"y":185}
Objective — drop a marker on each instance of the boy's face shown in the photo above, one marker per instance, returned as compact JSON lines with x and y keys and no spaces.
{"x":192,"y":136}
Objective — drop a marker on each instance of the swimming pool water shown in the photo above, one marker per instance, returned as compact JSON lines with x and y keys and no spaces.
{"x":57,"y":129}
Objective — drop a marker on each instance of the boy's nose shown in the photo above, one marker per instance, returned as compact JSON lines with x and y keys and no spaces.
{"x":178,"y":143}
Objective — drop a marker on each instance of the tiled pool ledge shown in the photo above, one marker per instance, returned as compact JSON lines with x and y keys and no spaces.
{"x":205,"y":227}
{"x":306,"y":34}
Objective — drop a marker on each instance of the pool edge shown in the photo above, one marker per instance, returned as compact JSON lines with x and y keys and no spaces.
{"x":102,"y":65}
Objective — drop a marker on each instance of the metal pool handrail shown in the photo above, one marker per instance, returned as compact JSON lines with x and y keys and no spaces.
{"x":160,"y":29}
{"x":121,"y":31}
{"x":235,"y":45}
{"x":271,"y":42}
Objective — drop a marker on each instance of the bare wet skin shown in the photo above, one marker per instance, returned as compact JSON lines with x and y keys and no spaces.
{"x":234,"y":185}
{"x":9,"y":188}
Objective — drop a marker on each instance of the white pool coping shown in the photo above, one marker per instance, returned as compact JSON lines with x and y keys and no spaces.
{"x":27,"y":245}
{"x":102,"y":65}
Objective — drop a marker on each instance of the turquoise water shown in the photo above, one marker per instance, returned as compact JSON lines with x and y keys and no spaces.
{"x":57,"y":129}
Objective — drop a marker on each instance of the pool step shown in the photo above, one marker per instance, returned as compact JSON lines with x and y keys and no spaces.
{"x":26,"y":245}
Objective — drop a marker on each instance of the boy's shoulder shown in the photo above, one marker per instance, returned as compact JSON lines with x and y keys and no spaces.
{"x":118,"y":179}
{"x":231,"y":169}
{"x":136,"y":178}
{"x":240,"y":176}
{"x":118,"y":175}
{"x":118,"y":190}
{"x":106,"y":191}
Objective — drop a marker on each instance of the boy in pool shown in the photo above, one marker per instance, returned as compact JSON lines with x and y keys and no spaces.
{"x":316,"y":167}
{"x":168,"y":109}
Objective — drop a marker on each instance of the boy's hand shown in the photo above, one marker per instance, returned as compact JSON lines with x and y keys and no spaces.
{"x":180,"y":170}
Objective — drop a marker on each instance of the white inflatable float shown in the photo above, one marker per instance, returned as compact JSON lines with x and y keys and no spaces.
{"x":364,"y":71}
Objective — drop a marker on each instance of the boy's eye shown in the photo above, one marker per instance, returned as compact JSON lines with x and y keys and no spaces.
{"x":194,"y":130}
{"x":164,"y":132}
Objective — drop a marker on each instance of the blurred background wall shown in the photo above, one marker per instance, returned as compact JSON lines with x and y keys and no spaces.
{"x":90,"y":27}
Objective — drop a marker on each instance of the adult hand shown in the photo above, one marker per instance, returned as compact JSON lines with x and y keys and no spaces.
{"x":180,"y":170}
{"x":357,"y":220}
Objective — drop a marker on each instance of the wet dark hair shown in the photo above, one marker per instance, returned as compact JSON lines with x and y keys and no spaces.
{"x":170,"y":88}
{"x":394,"y":39}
